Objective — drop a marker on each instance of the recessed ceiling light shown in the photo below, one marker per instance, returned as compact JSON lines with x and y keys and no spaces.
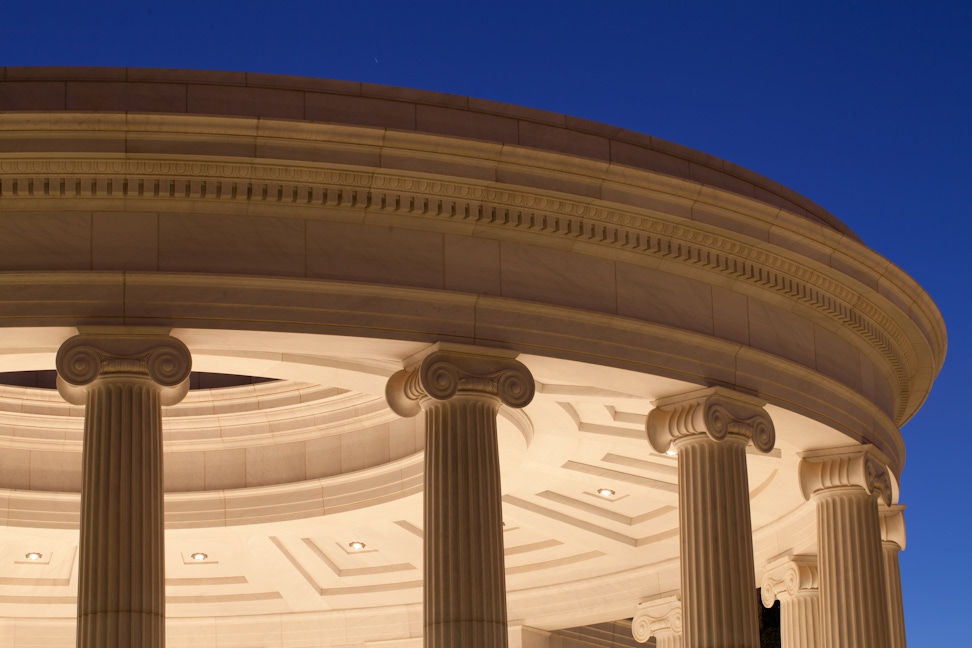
{"x":356,"y":545}
{"x":671,"y":452}
{"x":605,"y":492}
{"x":198,"y":556}
{"x":34,"y":555}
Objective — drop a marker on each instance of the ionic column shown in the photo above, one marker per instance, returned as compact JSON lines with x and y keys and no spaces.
{"x":660,"y":618}
{"x":465,"y":580}
{"x":845,"y":484}
{"x":893,"y":541}
{"x":794,"y":583}
{"x":123,"y":380}
{"x":710,"y":430}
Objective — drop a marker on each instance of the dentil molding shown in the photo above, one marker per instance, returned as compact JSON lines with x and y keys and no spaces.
{"x":693,"y":246}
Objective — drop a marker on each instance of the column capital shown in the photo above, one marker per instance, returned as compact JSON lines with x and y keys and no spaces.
{"x":892,"y":524}
{"x":787,"y":578}
{"x":659,"y":617}
{"x":447,"y":370}
{"x":715,"y":412}
{"x":860,"y":466}
{"x":85,"y":359}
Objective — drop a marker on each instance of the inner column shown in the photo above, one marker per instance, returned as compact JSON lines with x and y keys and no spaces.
{"x":845,"y":484}
{"x":893,"y":541}
{"x":123,"y":380}
{"x":465,"y":580}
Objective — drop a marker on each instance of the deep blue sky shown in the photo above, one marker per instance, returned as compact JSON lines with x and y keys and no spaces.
{"x":862,"y":107}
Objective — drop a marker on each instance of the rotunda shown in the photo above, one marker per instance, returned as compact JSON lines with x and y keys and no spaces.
{"x":513,"y":372}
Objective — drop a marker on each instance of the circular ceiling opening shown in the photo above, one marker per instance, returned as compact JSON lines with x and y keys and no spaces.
{"x":47,"y":379}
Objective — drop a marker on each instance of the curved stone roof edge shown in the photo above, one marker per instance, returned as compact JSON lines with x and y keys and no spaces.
{"x":245,"y":94}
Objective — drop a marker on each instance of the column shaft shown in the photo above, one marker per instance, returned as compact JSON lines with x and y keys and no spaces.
{"x":715,"y":535}
{"x":853,"y":596}
{"x":800,"y":620}
{"x":123,"y":378}
{"x":668,"y":640}
{"x":892,"y":575}
{"x":461,"y":389}
{"x":121,"y":598}
{"x":465,"y":581}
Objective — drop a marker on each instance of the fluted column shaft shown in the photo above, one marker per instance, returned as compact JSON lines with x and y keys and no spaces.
{"x":852,"y":587}
{"x":892,"y":575}
{"x":465,"y":578}
{"x":715,"y":539}
{"x":121,"y":595}
{"x":123,"y":382}
{"x":800,"y":620}
{"x":710,"y":430}
{"x":668,"y":639}
{"x":795,"y":583}
{"x":845,"y":484}
{"x":893,"y":541}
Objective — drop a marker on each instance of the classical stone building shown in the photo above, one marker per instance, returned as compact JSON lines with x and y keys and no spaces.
{"x":551,"y":373}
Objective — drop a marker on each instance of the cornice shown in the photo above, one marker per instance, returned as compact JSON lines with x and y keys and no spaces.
{"x":261,"y":97}
{"x":890,"y":317}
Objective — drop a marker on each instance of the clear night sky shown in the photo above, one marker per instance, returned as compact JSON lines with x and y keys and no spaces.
{"x":864,"y":107}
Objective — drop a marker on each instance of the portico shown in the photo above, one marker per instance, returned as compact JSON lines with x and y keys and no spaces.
{"x":526,"y":372}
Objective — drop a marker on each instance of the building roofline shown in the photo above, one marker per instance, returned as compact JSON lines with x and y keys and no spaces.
{"x":269,"y":96}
